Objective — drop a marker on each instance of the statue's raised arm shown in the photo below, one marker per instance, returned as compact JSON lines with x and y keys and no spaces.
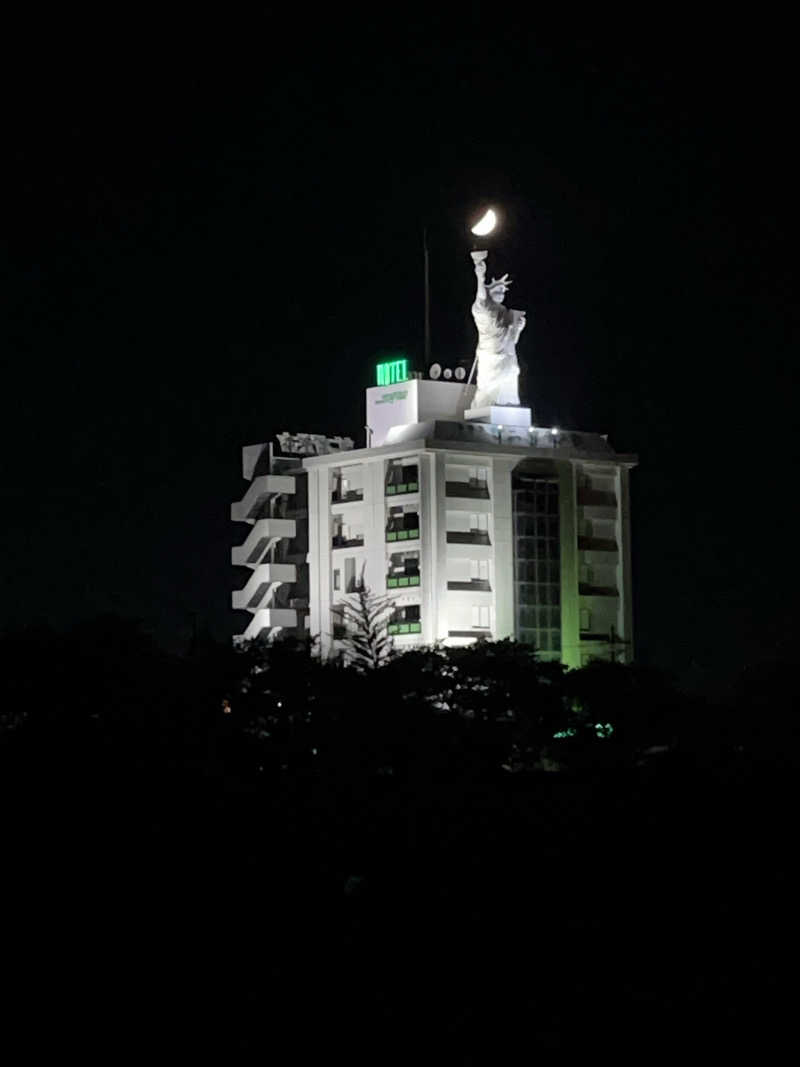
{"x":480,"y":274}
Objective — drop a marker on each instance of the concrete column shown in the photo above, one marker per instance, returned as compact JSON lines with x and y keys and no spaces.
{"x":375,"y":526}
{"x":314,"y":552}
{"x":436,"y":554}
{"x":503,"y":547}
{"x":625,"y":579}
{"x":570,"y":603}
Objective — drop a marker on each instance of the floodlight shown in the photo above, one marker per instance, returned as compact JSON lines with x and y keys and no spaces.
{"x":435,"y":371}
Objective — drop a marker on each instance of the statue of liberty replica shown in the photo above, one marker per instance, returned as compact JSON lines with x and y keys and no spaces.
{"x":498,"y":328}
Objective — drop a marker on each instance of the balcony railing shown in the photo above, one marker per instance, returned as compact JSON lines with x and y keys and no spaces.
{"x":597,"y":498}
{"x":587,"y":589}
{"x":404,"y":628}
{"x":402,"y":487}
{"x":402,"y":535}
{"x":468,"y":537}
{"x":477,"y":585}
{"x":467,"y":490}
{"x":347,"y":542}
{"x":401,"y":581}
{"x":597,"y":544}
{"x":347,"y":497}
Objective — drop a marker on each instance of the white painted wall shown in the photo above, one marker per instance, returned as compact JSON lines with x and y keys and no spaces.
{"x":417,"y":400}
{"x":443,"y":610}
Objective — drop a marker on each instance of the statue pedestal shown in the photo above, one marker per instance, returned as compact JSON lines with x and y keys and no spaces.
{"x":500,"y":416}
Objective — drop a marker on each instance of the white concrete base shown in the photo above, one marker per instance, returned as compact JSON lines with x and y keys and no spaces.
{"x":500,"y":416}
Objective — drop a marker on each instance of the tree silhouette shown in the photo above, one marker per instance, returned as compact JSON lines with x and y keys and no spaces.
{"x":366,"y":616}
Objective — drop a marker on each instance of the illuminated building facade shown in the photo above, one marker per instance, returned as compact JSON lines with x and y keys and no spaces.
{"x":473,"y":523}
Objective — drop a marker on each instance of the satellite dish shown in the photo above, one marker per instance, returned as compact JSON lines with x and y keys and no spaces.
{"x":435,"y":371}
{"x":460,"y":374}
{"x":447,"y":373}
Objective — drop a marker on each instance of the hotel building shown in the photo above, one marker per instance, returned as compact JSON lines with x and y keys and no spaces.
{"x":474,"y":524}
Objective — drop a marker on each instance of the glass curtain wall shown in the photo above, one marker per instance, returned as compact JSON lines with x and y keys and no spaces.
{"x":537,"y":570}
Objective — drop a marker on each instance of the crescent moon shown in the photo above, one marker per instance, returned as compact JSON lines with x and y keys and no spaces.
{"x":486,"y":224}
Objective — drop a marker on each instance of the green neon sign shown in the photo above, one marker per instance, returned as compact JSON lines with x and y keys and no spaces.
{"x":395,"y":371}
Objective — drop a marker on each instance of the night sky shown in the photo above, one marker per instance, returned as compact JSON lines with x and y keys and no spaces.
{"x":210,"y":239}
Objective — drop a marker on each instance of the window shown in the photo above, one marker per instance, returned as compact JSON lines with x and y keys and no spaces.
{"x":480,"y":616}
{"x":586,"y":619}
{"x":338,"y":625}
{"x":337,"y":579}
{"x":479,"y":570}
{"x":479,"y":522}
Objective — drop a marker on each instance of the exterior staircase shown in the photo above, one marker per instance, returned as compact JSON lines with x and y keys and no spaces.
{"x":261,"y":491}
{"x":265,"y":534}
{"x":271,"y":619}
{"x":264,"y":550}
{"x":262,"y":584}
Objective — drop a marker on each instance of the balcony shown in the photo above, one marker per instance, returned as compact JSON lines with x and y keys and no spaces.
{"x":476,"y":585}
{"x":349,"y":496}
{"x":402,"y":581}
{"x":468,"y":537}
{"x":597,"y":544}
{"x":338,"y":541}
{"x":402,"y":535}
{"x":398,"y":488}
{"x":405,"y":620}
{"x":467,"y":490}
{"x":597,"y":498}
{"x":402,"y":526}
{"x":395,"y":628}
{"x":587,"y":589}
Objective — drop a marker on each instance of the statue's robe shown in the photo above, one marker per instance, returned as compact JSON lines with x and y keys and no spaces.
{"x":499,"y":328}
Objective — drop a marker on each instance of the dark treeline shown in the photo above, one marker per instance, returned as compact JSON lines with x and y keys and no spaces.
{"x":466,"y":854}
